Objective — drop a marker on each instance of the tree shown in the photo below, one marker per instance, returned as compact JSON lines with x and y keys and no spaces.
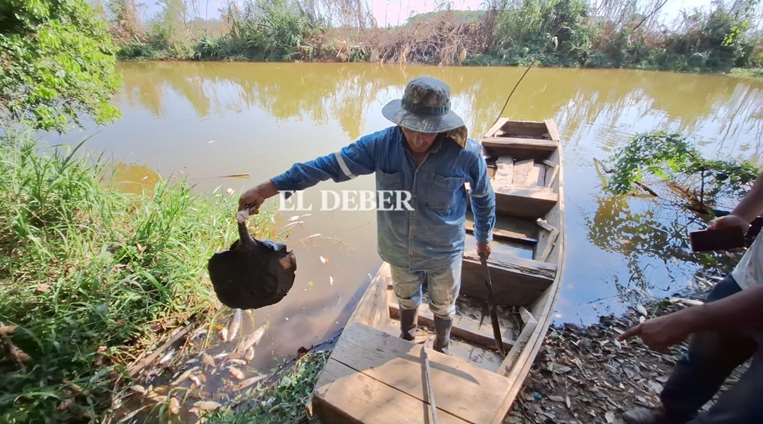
{"x":56,"y":63}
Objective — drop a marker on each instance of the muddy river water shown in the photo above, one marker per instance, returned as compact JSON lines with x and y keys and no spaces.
{"x":202,"y":121}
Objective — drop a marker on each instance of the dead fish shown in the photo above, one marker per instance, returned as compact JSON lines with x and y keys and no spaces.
{"x":207,"y":360}
{"x":196,"y":380}
{"x":331,"y":280}
{"x":129,"y":416}
{"x":244,"y":175}
{"x":7,"y":330}
{"x":323,"y":260}
{"x":220,"y":355}
{"x":293,"y":218}
{"x":235,"y":324}
{"x":184,"y":376}
{"x":312,"y":236}
{"x":206,"y":405}
{"x":157,"y":398}
{"x":249,"y":381}
{"x":237,"y":361}
{"x":166,"y":358}
{"x":249,"y":341}
{"x":236,"y":373}
{"x":174,"y":406}
{"x":138,"y":389}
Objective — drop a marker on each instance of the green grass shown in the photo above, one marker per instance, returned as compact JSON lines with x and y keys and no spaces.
{"x":754,"y":73}
{"x":91,"y":276}
{"x":283,"y":402}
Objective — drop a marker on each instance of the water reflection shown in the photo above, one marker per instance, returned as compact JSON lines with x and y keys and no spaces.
{"x":650,"y":236}
{"x":605,"y":99}
{"x":200,"y":121}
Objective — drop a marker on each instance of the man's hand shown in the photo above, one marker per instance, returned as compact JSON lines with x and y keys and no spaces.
{"x":483,"y":250}
{"x":661,"y":333}
{"x":255,"y":196}
{"x":729,"y":221}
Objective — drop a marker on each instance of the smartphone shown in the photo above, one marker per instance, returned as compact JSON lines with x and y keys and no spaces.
{"x":723,"y":239}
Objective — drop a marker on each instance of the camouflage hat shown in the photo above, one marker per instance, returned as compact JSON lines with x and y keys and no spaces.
{"x":425,"y":107}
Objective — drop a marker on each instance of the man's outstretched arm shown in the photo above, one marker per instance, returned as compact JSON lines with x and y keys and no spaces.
{"x":740,"y":311}
{"x":358,"y":158}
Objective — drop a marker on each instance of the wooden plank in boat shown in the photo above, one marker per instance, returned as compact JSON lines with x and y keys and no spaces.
{"x":464,"y":327}
{"x":520,"y":143}
{"x":504,"y":171}
{"x":516,"y":281}
{"x":553,"y":131}
{"x":522,"y":173}
{"x":343,"y":395}
{"x":395,"y":363}
{"x":500,"y":232}
{"x":525,"y":202}
{"x":540,"y":171}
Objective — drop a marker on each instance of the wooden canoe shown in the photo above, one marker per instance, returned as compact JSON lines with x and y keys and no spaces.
{"x":373,"y":376}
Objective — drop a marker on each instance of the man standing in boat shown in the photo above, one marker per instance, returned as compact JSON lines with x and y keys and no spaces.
{"x":428,"y":157}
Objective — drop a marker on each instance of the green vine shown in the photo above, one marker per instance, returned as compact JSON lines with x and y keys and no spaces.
{"x":670,"y":157}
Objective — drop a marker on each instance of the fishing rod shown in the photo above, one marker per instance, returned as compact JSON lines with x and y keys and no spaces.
{"x":519,"y":81}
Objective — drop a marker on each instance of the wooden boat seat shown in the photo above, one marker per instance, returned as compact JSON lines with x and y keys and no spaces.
{"x":509,"y":229}
{"x":525,"y":202}
{"x":464,"y":327}
{"x":518,"y":146}
{"x":522,"y":187}
{"x":516,"y":281}
{"x":375,"y":377}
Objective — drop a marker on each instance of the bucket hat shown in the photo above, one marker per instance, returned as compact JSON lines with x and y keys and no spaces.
{"x":425,"y":107}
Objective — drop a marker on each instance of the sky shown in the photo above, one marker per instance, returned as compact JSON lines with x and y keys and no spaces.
{"x":395,"y":12}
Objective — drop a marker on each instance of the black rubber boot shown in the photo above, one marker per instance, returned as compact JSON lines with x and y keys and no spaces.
{"x":648,"y":416}
{"x":408,"y":324}
{"x":442,"y":334}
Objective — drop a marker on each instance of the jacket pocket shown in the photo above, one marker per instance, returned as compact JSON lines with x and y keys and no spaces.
{"x":444,"y":192}
{"x":388,"y":187}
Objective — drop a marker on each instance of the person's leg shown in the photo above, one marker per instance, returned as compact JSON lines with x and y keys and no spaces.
{"x":407,"y":287}
{"x":711,"y":357}
{"x":443,"y":289}
{"x":741,"y":404}
{"x":697,"y":376}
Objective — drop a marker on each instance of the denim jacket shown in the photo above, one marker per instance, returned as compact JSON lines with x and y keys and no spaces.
{"x":431,"y":236}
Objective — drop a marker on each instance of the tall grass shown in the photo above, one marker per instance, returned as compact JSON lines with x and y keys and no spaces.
{"x":90,"y":277}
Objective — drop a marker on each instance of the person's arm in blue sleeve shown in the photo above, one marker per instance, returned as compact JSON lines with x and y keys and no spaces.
{"x":358,"y":158}
{"x":482,"y":201}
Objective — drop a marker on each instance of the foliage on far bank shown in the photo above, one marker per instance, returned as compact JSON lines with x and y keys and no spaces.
{"x":673,"y":159}
{"x":56,"y":64}
{"x":548,"y":32}
{"x":90,"y":277}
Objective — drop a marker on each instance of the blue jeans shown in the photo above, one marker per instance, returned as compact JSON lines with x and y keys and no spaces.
{"x":711,"y":358}
{"x":442,"y":285}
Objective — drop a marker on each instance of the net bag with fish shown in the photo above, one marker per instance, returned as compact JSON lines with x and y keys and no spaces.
{"x":252,"y":273}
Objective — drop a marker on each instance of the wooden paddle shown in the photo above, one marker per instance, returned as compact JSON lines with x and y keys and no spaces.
{"x":491,"y":305}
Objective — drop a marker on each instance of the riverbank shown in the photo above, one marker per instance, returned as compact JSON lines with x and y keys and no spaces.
{"x":581,"y":375}
{"x":564,"y":33}
{"x":90,"y":278}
